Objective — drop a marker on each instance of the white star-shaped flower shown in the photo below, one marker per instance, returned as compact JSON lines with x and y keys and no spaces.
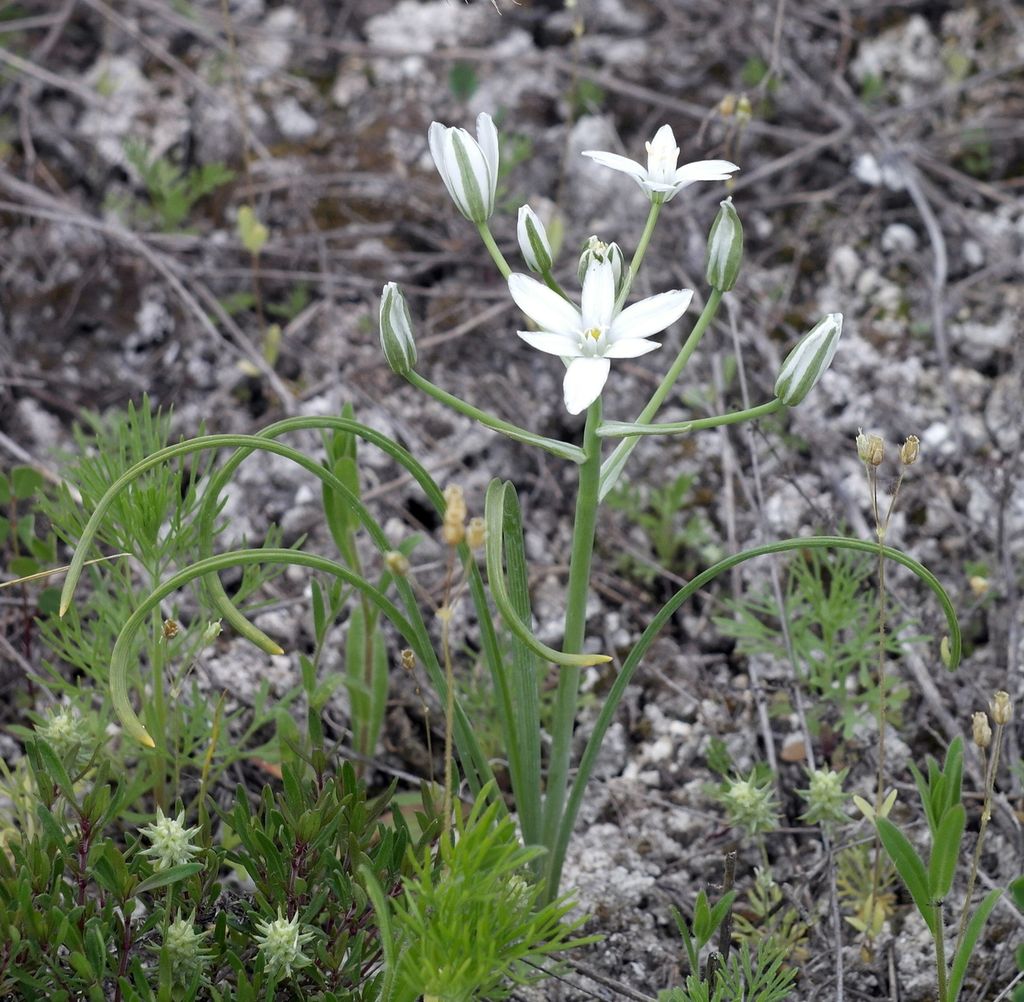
{"x":588,"y":337}
{"x":661,"y":180}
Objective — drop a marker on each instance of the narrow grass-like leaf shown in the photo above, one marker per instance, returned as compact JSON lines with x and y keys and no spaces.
{"x":173,"y":874}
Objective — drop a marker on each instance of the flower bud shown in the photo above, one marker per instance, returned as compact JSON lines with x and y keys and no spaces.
{"x":596,"y":251}
{"x":396,"y":330}
{"x":170,"y":841}
{"x":870,"y":449}
{"x":476,"y":533}
{"x":453,"y":528}
{"x":281,"y":942}
{"x":533,"y":241}
{"x":408,"y":658}
{"x":397,"y":563}
{"x":807,"y":362}
{"x":725,"y":249}
{"x":171,"y":627}
{"x":910,"y":450}
{"x":1001,"y":708}
{"x":980,"y":730}
{"x":468,"y":166}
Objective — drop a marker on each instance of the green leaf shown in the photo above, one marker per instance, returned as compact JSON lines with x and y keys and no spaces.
{"x":173,"y":874}
{"x":54,"y":769}
{"x":946,"y":852}
{"x":251,"y":231}
{"x":971,"y":934}
{"x":25,"y":481}
{"x":1016,"y":889}
{"x":910,"y":867}
{"x":5,"y":490}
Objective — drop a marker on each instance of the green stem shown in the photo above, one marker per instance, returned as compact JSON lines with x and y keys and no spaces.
{"x":551,"y":282}
{"x":557,"y":448}
{"x":575,"y":629}
{"x":940,"y":955}
{"x":617,"y":460}
{"x":624,"y":429}
{"x":638,"y":254}
{"x":492,"y":248}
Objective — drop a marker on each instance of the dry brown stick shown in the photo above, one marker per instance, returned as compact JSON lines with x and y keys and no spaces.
{"x":43,"y":75}
{"x":43,"y":206}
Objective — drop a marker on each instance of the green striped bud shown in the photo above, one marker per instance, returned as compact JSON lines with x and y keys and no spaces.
{"x":807,"y":362}
{"x":533,"y":241}
{"x":396,"y":330}
{"x":725,"y":249}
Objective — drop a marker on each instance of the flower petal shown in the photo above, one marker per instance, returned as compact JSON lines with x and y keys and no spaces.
{"x":705,"y":170}
{"x":487,"y":136}
{"x":553,"y":344}
{"x":437,"y":136}
{"x":650,"y":316}
{"x":598,"y":301}
{"x":616,"y":162}
{"x":630,"y":347}
{"x":545,"y":308}
{"x":584,"y":380}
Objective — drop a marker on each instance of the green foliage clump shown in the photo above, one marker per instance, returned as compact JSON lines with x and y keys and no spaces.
{"x":829,"y":610}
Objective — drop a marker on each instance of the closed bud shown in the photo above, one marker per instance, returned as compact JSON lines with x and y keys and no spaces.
{"x":807,"y":362}
{"x":725,"y":249}
{"x":870,"y":449}
{"x":476,"y":533}
{"x":533,"y":241}
{"x":980,"y":730}
{"x":170,"y":629}
{"x":396,"y":330}
{"x":396,"y":563}
{"x":468,"y":166}
{"x":596,"y":251}
{"x":408,"y":659}
{"x":910,"y":450}
{"x":1001,"y":708}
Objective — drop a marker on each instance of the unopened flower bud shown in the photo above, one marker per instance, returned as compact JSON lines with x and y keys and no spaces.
{"x":476,"y":533}
{"x":281,"y":942}
{"x":453,"y":529}
{"x":533,"y":241}
{"x":807,"y":362}
{"x":170,"y":841}
{"x":945,"y":654}
{"x":212,"y":632}
{"x":725,"y":248}
{"x":396,"y":563}
{"x":1001,"y":708}
{"x":468,"y":166}
{"x":596,"y":251}
{"x":408,"y":659}
{"x":980,"y":730}
{"x":870,"y":449}
{"x":396,"y":330}
{"x":170,"y":629}
{"x":910,"y":450}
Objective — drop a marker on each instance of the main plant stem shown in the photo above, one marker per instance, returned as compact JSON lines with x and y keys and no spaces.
{"x":575,"y":629}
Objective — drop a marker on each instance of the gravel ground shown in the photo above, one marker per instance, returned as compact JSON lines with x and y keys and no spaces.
{"x":881,"y":165}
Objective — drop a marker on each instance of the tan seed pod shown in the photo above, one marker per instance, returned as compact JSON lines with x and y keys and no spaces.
{"x":981,"y":732}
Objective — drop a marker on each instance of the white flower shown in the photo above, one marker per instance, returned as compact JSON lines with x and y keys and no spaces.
{"x":171,"y":842}
{"x":281,"y":942}
{"x":807,"y":362}
{"x":468,"y":166}
{"x":533,"y":241}
{"x":587,"y":337}
{"x":661,"y":180}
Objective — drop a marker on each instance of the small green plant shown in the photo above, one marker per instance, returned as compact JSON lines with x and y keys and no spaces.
{"x":829,"y":609}
{"x":930,"y":883}
{"x":761,"y":976}
{"x":766,"y":918}
{"x":707,"y":920}
{"x":679,"y":536}
{"x":173,"y":191}
{"x":470,"y":924}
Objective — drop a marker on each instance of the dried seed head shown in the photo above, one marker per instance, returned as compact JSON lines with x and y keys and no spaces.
{"x":1001,"y":708}
{"x":397,"y":563}
{"x":870,"y":449}
{"x":980,"y":730}
{"x":170,"y":629}
{"x":910,"y":450}
{"x":476,"y":533}
{"x":453,"y":531}
{"x":408,"y":659}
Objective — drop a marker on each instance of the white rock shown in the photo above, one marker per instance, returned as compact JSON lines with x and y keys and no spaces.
{"x":899,"y":238}
{"x":293,"y":120}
